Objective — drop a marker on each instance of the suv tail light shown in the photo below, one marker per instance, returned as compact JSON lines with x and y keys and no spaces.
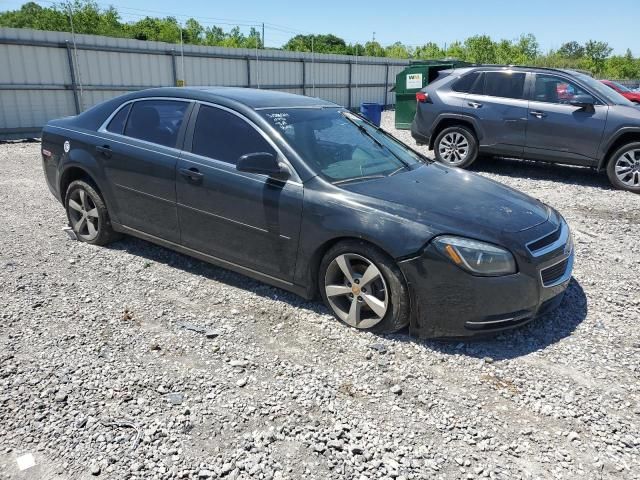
{"x":422,"y":97}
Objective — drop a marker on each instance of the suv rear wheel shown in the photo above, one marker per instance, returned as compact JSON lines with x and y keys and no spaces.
{"x":456,"y":146}
{"x":623,"y":168}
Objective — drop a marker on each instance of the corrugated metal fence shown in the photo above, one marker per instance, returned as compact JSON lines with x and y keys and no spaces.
{"x":46,"y":75}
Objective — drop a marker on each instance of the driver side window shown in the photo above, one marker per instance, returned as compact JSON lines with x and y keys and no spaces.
{"x":552,"y":89}
{"x":224,"y":136}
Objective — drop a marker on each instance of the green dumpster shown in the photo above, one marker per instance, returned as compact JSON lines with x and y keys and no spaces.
{"x":413,"y":78}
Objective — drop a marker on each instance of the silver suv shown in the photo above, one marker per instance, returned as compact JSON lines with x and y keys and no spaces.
{"x":537,"y":113}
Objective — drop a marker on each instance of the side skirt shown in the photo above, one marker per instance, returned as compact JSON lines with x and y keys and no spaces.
{"x":261,"y":277}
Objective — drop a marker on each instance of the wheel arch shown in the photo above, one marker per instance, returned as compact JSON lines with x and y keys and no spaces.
{"x":623,"y":138}
{"x":451,"y":121}
{"x":322,"y":249}
{"x":73,"y":173}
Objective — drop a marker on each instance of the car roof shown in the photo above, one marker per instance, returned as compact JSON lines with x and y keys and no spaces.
{"x":253,"y":98}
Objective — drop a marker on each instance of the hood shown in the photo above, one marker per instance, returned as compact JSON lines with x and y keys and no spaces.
{"x":437,"y":195}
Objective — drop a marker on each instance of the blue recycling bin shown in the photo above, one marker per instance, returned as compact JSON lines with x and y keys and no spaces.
{"x":372,"y":112}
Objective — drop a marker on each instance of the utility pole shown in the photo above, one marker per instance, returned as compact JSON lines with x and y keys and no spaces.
{"x":374,"y":36}
{"x":263,"y":46}
{"x":184,"y":82}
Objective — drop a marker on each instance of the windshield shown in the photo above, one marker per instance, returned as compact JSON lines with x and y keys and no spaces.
{"x":341,"y":146}
{"x":607,"y":92}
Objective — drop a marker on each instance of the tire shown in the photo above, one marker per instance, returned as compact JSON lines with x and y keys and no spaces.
{"x":623,"y":168}
{"x":456,"y":147}
{"x":384,"y":286}
{"x":87,"y":214}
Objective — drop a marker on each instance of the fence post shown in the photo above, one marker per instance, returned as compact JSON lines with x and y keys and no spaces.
{"x":386,"y":85}
{"x":174,"y":69}
{"x":248,"y":71}
{"x":349,"y":84}
{"x":72,"y":71}
{"x":304,"y":77}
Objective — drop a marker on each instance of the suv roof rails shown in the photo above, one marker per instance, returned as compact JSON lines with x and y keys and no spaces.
{"x":551,"y":69}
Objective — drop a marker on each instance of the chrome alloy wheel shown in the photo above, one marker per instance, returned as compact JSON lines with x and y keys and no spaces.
{"x":454,"y":148}
{"x":356,"y":290}
{"x":83,"y":214}
{"x":628,"y":168}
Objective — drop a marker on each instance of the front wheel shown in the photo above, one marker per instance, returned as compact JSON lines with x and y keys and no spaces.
{"x":456,"y":146}
{"x":623,"y":168}
{"x":364,"y":288}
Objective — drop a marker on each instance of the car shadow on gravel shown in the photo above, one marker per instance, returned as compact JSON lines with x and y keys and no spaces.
{"x":156,"y":253}
{"x":538,"y":334}
{"x":518,"y":168}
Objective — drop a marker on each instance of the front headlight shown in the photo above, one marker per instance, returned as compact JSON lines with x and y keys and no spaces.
{"x":476,"y":257}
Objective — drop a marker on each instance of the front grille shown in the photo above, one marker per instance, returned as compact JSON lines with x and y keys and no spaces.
{"x":544,"y":241}
{"x":552,"y":274}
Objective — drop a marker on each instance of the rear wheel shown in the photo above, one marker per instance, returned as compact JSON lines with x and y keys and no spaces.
{"x":364,"y":288}
{"x":456,"y":146}
{"x":623,"y":168}
{"x":87,"y":214}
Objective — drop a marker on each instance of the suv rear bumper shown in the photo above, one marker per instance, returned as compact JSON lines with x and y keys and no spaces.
{"x":419,"y":138}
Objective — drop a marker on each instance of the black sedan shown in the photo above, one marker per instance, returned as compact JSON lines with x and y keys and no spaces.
{"x":304,"y":195}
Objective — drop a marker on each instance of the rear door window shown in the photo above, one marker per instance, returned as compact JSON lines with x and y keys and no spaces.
{"x":224,"y":136}
{"x":464,"y":83}
{"x":156,"y":121}
{"x":504,"y":84}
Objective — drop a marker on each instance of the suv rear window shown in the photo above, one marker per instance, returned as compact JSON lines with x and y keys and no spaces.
{"x":500,"y":84}
{"x":464,"y":83}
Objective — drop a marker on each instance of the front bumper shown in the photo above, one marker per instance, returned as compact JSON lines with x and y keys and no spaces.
{"x":448,"y":302}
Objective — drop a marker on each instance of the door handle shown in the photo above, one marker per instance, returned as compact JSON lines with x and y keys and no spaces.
{"x":474,"y":104}
{"x":192,"y":174}
{"x":537,"y":114}
{"x":105,"y":150}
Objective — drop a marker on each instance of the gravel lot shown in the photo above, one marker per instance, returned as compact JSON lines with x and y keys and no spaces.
{"x":136,"y":362}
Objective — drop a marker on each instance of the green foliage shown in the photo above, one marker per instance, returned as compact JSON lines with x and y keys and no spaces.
{"x":398,"y":50}
{"x":429,"y":51}
{"x":88,"y":17}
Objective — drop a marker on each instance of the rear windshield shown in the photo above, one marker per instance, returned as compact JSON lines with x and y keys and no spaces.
{"x":341,"y":146}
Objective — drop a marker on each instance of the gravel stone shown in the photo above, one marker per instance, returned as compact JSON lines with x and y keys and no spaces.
{"x":561,"y":398}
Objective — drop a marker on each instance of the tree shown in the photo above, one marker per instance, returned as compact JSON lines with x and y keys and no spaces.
{"x":597,"y":53}
{"x":373,"y":49}
{"x":571,"y":50}
{"x":320,"y":43}
{"x":620,"y":67}
{"x":398,"y":50}
{"x":456,"y":50}
{"x":429,"y":50}
{"x":193,"y":32}
{"x":481,"y":49}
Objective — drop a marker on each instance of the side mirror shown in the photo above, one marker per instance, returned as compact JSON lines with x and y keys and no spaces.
{"x":264,"y":163}
{"x":583,"y":101}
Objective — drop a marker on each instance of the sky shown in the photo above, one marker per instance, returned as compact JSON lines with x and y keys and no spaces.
{"x":553,"y":22}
